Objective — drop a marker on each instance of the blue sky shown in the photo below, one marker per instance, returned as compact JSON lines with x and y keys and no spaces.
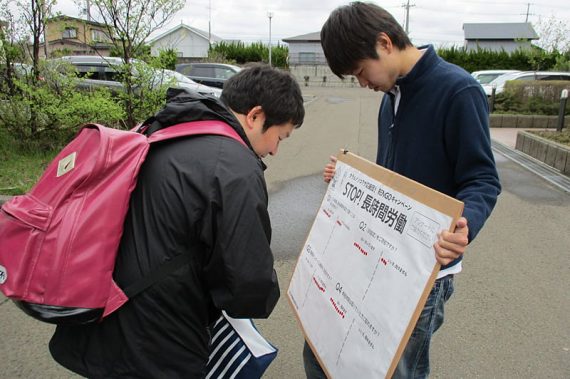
{"x":439,"y":22}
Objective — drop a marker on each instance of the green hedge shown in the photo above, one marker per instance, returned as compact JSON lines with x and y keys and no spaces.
{"x":547,"y":90}
{"x":531,"y":97}
{"x":524,"y":60}
{"x":242,"y":53}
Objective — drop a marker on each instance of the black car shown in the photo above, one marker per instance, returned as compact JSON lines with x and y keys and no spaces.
{"x":209,"y":74}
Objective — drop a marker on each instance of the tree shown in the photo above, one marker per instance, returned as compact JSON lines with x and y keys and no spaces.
{"x":554,"y":34}
{"x":11,"y":48}
{"x":129,"y":23}
{"x":33,"y":14}
{"x":166,"y":59}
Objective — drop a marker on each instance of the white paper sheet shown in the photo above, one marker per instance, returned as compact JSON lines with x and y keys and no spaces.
{"x":362,"y":271}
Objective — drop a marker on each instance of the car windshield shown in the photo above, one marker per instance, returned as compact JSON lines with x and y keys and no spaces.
{"x":487,"y":78}
{"x":173,"y":75}
{"x":503,"y":78}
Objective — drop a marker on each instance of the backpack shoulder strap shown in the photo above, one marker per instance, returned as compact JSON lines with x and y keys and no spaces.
{"x":158,"y":274}
{"x":195,"y":128}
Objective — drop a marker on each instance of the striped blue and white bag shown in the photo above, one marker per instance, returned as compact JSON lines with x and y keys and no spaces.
{"x":238,"y":350}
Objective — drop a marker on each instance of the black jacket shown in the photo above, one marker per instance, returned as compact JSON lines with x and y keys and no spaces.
{"x":204,"y":196}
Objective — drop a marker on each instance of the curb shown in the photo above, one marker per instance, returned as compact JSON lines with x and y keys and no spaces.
{"x":524,"y":121}
{"x":549,"y":152}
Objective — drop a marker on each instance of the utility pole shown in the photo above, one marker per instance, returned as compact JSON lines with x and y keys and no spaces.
{"x":528,"y":12}
{"x":209,"y":22}
{"x":270,"y":15}
{"x":88,"y":10}
{"x":408,"y":6}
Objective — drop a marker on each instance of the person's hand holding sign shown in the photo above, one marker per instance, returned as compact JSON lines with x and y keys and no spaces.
{"x":452,"y":245}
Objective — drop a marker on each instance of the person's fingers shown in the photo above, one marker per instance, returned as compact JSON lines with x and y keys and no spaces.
{"x":461,"y":222}
{"x":455,"y":240}
{"x":452,"y":245}
{"x":329,"y":170}
{"x":328,"y":175}
{"x":445,"y":256}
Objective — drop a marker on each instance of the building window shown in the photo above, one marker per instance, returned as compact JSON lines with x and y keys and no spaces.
{"x":98,"y":36}
{"x":69,"y":33}
{"x":307,"y":58}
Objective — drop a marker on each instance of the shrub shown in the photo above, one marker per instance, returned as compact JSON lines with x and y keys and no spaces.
{"x":44,"y":114}
{"x":166,"y":59}
{"x":241,"y":53}
{"x":531,"y":97}
{"x":482,"y":59}
{"x":548,"y":90}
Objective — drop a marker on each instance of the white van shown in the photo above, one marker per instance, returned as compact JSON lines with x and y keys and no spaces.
{"x":486,"y":76}
{"x":499,"y":83}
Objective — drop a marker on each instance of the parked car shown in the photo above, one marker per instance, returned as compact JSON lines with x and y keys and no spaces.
{"x":486,"y":76}
{"x":499,"y":83}
{"x":22,"y":69}
{"x":97,"y":71}
{"x":181,"y":81}
{"x":210,"y":74}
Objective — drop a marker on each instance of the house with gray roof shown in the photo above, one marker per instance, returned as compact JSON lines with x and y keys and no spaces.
{"x":499,"y":36}
{"x":306,"y":49}
{"x":189,"y":42}
{"x":308,"y":64}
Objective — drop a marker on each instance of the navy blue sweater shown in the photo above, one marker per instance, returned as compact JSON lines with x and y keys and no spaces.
{"x":440,"y":136}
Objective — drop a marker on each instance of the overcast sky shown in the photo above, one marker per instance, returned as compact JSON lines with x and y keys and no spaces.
{"x":431,"y":21}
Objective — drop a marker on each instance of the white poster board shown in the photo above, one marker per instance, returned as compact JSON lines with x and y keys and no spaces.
{"x":367,"y":267}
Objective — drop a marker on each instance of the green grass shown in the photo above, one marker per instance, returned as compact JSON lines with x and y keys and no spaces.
{"x":19,"y":170}
{"x":562,"y":137}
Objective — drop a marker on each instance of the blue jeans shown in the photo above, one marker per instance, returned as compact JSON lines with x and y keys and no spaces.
{"x":414,"y":362}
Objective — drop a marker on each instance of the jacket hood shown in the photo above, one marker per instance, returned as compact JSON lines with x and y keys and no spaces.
{"x":185,"y":106}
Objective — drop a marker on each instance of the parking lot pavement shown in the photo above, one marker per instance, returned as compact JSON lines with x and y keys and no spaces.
{"x":506,"y":136}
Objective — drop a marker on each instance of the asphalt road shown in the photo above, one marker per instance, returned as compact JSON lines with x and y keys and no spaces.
{"x":509,"y":316}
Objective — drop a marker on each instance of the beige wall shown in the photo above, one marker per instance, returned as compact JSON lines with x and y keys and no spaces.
{"x":82,"y":44}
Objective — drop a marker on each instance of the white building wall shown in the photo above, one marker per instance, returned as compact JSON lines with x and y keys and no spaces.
{"x":508,"y":46}
{"x":299,"y":52}
{"x":313,"y":47}
{"x":184,"y":41}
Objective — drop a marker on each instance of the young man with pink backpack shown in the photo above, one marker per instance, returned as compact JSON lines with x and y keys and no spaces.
{"x":203,"y":197}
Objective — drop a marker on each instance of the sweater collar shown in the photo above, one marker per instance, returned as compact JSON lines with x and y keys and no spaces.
{"x":428,"y":60}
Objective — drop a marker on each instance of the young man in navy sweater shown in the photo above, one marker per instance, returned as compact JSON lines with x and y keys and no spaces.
{"x":432,"y":128}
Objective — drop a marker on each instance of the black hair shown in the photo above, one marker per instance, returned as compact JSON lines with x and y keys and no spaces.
{"x":276,"y":91}
{"x":350,"y":34}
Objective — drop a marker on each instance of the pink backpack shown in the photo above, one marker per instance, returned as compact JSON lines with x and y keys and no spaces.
{"x":58,"y":243}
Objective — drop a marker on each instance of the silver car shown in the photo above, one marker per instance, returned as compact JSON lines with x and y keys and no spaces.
{"x":499,"y":83}
{"x":97,"y":71}
{"x":486,"y":76}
